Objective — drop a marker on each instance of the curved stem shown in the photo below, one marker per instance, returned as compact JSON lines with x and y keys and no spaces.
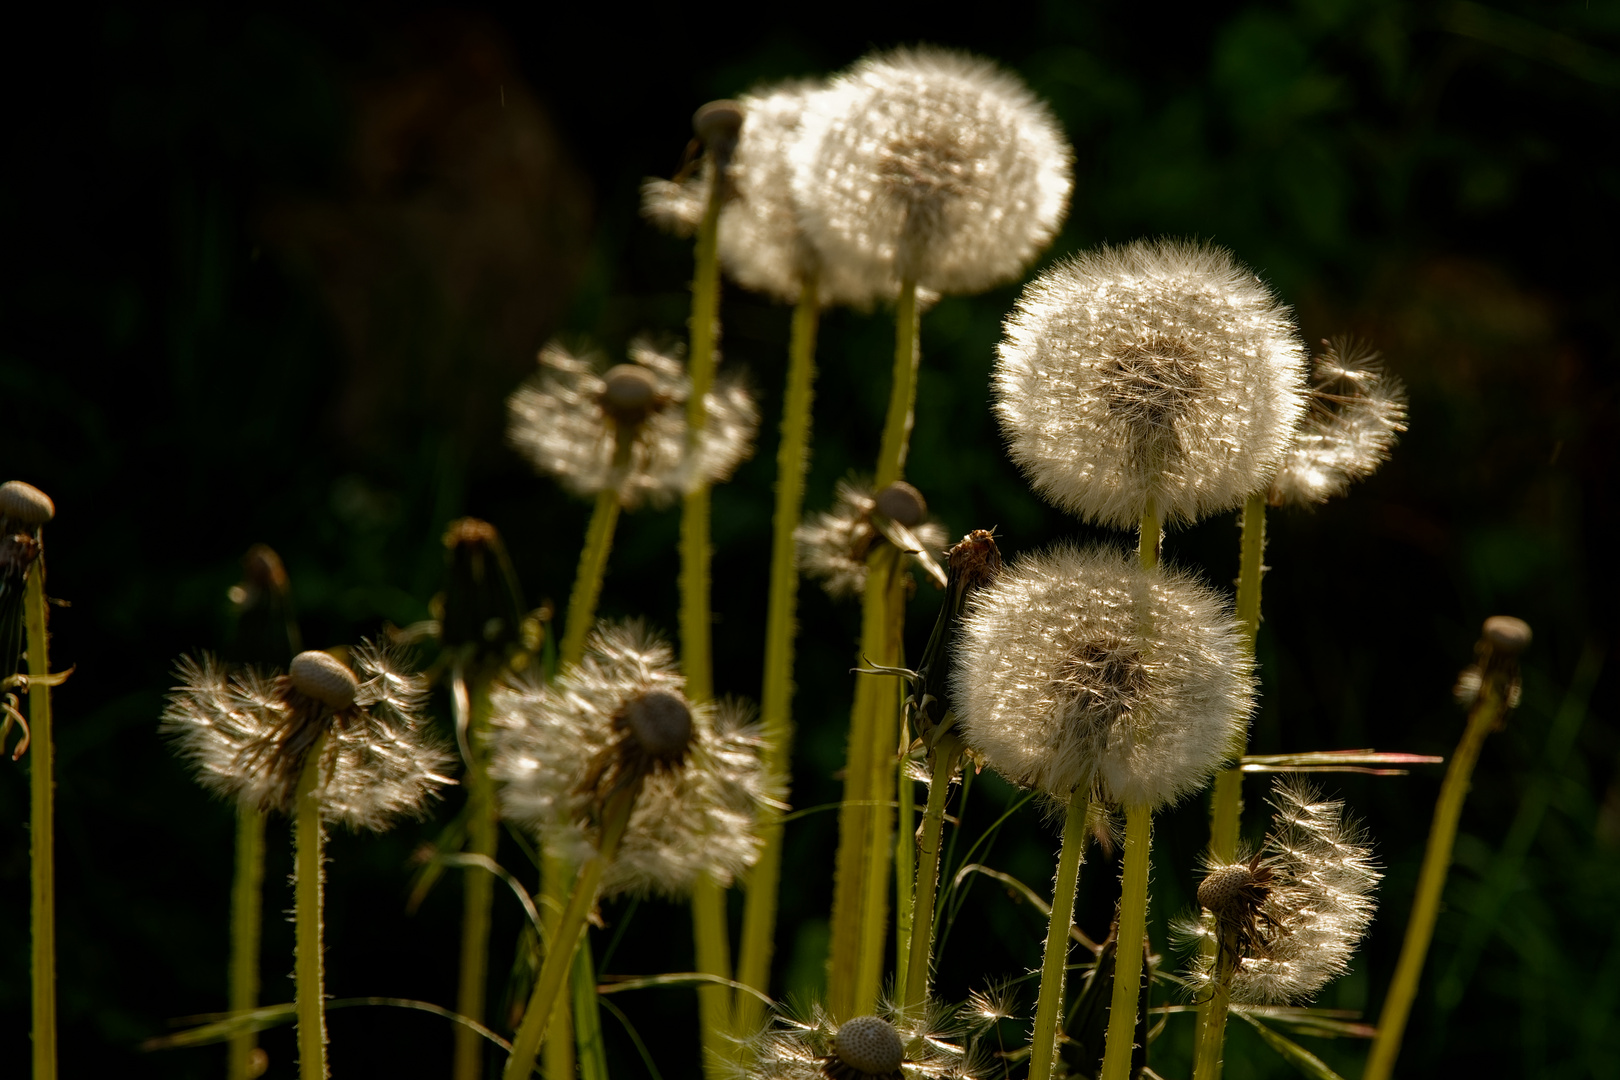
{"x":776,"y":712}
{"x":309,"y":837}
{"x":903,"y":393}
{"x":478,"y":889}
{"x":1133,"y":901}
{"x":247,"y":913}
{"x":588,"y":579}
{"x":42,"y":825}
{"x":1054,"y":966}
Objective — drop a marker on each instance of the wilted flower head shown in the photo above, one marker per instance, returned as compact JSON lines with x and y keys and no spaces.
{"x":625,"y":428}
{"x":930,"y":165}
{"x":887,"y":1046}
{"x":620,"y":718}
{"x":1078,"y":669}
{"x":833,"y":546}
{"x":1356,"y":410}
{"x":1158,"y":372}
{"x":1289,"y":917}
{"x":249,"y":734}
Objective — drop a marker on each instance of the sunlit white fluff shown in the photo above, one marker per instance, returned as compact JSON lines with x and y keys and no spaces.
{"x":1077,"y":669}
{"x":1356,"y":411}
{"x":808,"y":1044}
{"x":1159,"y":371}
{"x":833,"y":545}
{"x":932,"y":165}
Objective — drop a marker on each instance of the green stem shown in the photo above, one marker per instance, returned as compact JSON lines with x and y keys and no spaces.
{"x":570,"y":928}
{"x":1054,"y":966}
{"x":587,"y":1015}
{"x":309,"y":836}
{"x":905,"y":850}
{"x":711,"y":945}
{"x":556,"y":877}
{"x":1485,"y":715}
{"x":1133,"y":902}
{"x":1147,"y":541}
{"x":1212,"y":1014}
{"x":776,"y":705}
{"x":478,"y":888}
{"x":588,"y":580}
{"x":903,"y":392}
{"x":947,"y":753}
{"x":247,"y":913}
{"x":42,"y":825}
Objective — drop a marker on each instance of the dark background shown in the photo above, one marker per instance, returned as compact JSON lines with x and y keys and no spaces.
{"x":274,"y":273}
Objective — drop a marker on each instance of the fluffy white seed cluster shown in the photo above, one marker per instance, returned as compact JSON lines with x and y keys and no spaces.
{"x":1356,"y":411}
{"x":553,"y":746}
{"x":1314,"y":907}
{"x":887,"y":1046}
{"x":931,"y":165}
{"x":1159,"y":373}
{"x":833,"y":545}
{"x":1078,"y":670}
{"x":246,"y":733}
{"x":562,"y":420}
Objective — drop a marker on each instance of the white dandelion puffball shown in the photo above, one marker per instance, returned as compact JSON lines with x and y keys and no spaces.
{"x":1079,"y":670}
{"x":1356,"y":411}
{"x":931,"y":165}
{"x":1158,"y":373}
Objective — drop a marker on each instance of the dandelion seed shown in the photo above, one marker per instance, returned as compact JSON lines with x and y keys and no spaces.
{"x":833,"y":546}
{"x":1079,"y":670}
{"x":621,"y":718}
{"x":1157,"y":373}
{"x":625,"y":428}
{"x":248,"y":734}
{"x":930,"y":166}
{"x":1289,"y":918}
{"x":887,"y":1046}
{"x":1356,"y":411}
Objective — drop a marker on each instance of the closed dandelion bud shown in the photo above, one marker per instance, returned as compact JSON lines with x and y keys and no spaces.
{"x":931,"y":166}
{"x":1079,"y":670}
{"x":1356,"y":411}
{"x":620,"y":719}
{"x":248,"y":734}
{"x":833,"y":546}
{"x":887,"y":1046}
{"x":1286,"y":921}
{"x":625,"y":428}
{"x":1158,"y":374}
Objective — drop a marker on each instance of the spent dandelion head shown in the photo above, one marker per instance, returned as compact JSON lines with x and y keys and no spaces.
{"x":624,"y":428}
{"x":481,"y":613}
{"x":248,"y":734}
{"x":932,"y":166}
{"x":1356,"y":411}
{"x":888,"y":1045}
{"x":23,"y":510}
{"x":1286,"y":920}
{"x":1079,"y":670}
{"x":620,"y":720}
{"x":1158,"y":374}
{"x":834,"y":545}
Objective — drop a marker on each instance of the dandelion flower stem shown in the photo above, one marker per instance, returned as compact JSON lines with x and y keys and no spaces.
{"x":565,"y":938}
{"x":776,"y":714}
{"x":247,"y":914}
{"x":1147,"y":543}
{"x":905,"y":848}
{"x":1133,"y":902}
{"x":588,"y":579}
{"x":1487,"y":712}
{"x":1211,"y":1039}
{"x":885,"y":699}
{"x":478,"y":887}
{"x":42,"y":826}
{"x":556,"y":877}
{"x":903,"y":392}
{"x":1054,"y":967}
{"x":308,"y":879}
{"x":947,"y":753}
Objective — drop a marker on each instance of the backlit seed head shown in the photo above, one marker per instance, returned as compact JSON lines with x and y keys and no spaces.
{"x":1356,"y":411}
{"x":1159,"y":373}
{"x":717,"y":124}
{"x":868,"y":1045}
{"x":887,"y":1046}
{"x":626,"y":428}
{"x":833,"y":545}
{"x":931,"y":165}
{"x":1079,"y":670}
{"x":620,"y":718}
{"x":322,"y":676}
{"x":24,"y":505}
{"x":903,"y":503}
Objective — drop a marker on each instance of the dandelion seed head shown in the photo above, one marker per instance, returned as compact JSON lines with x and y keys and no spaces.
{"x":1356,"y":411}
{"x":626,"y":428}
{"x":1076,"y":669}
{"x":887,"y":1045}
{"x":23,"y":504}
{"x":248,"y":734}
{"x":833,"y":545}
{"x":621,"y":716}
{"x":1157,"y":371}
{"x":931,"y":165}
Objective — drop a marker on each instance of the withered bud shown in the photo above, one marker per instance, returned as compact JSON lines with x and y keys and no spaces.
{"x":902,"y":503}
{"x":322,"y":676}
{"x":974,"y":560}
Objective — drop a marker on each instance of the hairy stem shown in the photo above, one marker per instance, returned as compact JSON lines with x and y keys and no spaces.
{"x":42,"y":825}
{"x":1133,"y":901}
{"x":776,"y":705}
{"x":919,"y":960}
{"x":588,"y":580}
{"x":309,"y":837}
{"x":1211,"y":1038}
{"x":478,"y":888}
{"x":556,"y":877}
{"x":1054,"y":965}
{"x":891,"y":464}
{"x":587,"y":1015}
{"x":247,"y":914}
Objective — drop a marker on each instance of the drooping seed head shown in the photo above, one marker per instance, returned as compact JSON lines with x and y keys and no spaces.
{"x":833,"y":545}
{"x":866,"y":1046}
{"x":629,"y":393}
{"x":325,"y":678}
{"x":661,"y":724}
{"x":1506,"y":635}
{"x":25,"y":504}
{"x":717,"y":124}
{"x":903,"y":503}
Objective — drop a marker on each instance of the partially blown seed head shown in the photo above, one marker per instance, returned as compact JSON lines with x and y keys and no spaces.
{"x":1159,"y":373}
{"x":1077,"y":669}
{"x":931,"y":165}
{"x":324,"y":677}
{"x":833,"y":545}
{"x":1356,"y":411}
{"x":887,"y":1046}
